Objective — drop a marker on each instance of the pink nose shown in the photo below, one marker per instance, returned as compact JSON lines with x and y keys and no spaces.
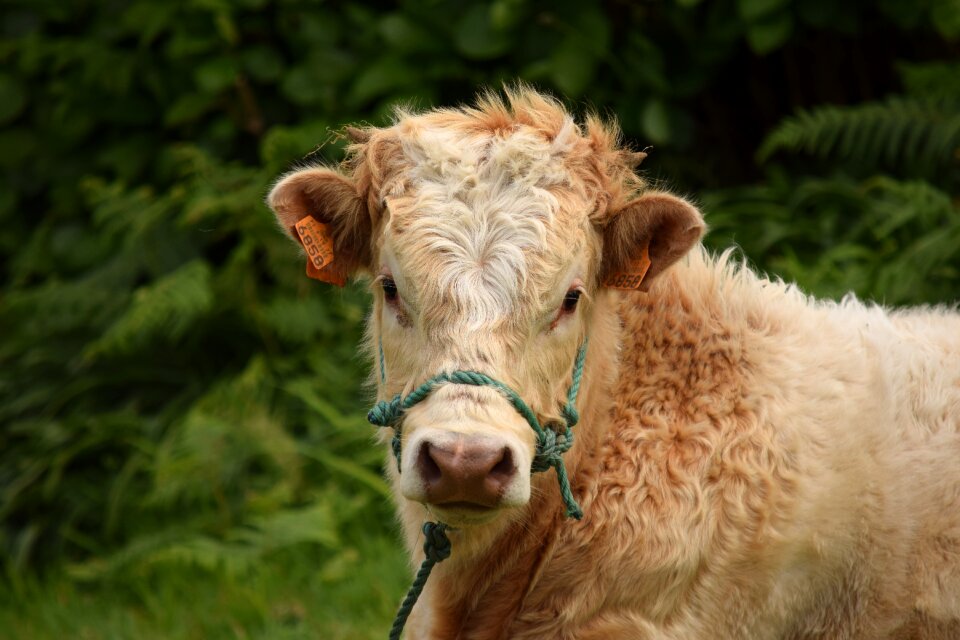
{"x":467,"y":471}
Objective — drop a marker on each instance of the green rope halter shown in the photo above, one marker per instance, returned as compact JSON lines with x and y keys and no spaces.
{"x":551,"y":445}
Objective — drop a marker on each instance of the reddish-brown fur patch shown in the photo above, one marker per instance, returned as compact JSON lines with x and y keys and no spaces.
{"x":750,"y":463}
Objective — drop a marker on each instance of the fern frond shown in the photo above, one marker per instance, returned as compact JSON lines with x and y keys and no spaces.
{"x":231,"y":554}
{"x":901,"y":131}
{"x":297,"y":320}
{"x":314,"y":524}
{"x":165,"y":309}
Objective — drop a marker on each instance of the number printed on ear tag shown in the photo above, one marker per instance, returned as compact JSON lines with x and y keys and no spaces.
{"x":316,"y":242}
{"x":318,"y":245}
{"x":632,"y":275}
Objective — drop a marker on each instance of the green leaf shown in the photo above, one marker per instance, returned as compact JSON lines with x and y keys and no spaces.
{"x":945,"y":15}
{"x":770,"y":33}
{"x":301,"y":86}
{"x":572,"y":68}
{"x":404,"y":34}
{"x":217,"y":74}
{"x":938,"y":80}
{"x":380,"y":78}
{"x":754,"y":10}
{"x":505,"y":14}
{"x":477,"y":37}
{"x":907,"y":15}
{"x":188,"y":108}
{"x":656,"y":122}
{"x":316,"y":80}
{"x":592,"y":27}
{"x":319,"y":27}
{"x":149,"y":20}
{"x":263,"y":63}
{"x":13,"y":98}
{"x":283,"y":146}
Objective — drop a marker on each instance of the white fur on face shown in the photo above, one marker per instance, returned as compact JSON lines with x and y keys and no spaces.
{"x":477,"y":224}
{"x":482,"y":255}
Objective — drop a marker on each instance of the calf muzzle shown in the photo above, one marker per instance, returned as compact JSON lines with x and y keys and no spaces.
{"x":467,"y":472}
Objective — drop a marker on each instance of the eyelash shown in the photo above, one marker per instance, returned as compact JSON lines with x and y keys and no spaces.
{"x":389,"y":290}
{"x":570,"y":301}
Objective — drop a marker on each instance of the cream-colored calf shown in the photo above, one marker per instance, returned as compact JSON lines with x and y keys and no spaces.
{"x":751,"y":463}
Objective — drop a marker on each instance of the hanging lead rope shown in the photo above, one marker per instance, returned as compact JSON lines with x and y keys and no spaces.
{"x":551,"y":446}
{"x":436,"y":548}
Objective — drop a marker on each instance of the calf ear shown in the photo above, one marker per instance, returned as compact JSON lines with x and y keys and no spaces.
{"x":648,"y":235}
{"x":321,"y":209}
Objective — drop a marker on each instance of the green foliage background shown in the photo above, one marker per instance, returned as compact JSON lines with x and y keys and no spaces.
{"x":183,"y":452}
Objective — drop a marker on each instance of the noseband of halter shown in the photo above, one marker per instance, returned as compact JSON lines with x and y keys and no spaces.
{"x":551,"y":445}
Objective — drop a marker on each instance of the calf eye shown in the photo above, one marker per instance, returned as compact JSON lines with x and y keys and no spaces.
{"x":389,"y":289}
{"x":570,"y":300}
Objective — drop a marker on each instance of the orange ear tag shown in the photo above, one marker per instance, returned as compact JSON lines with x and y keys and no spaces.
{"x":317,"y":242}
{"x":632,"y":274}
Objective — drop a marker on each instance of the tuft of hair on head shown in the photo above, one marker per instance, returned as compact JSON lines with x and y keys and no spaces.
{"x":591,"y":149}
{"x":594,"y":150}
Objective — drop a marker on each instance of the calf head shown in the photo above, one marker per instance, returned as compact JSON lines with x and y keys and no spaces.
{"x":488,"y":234}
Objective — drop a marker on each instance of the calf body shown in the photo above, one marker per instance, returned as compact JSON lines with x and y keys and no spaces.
{"x":750,"y":463}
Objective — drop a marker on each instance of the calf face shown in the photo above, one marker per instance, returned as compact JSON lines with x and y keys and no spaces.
{"x":488,"y":234}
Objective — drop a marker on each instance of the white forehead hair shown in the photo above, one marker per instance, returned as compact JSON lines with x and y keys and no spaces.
{"x":481,"y":216}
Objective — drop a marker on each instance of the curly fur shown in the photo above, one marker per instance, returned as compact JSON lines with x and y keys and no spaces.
{"x":751,"y":462}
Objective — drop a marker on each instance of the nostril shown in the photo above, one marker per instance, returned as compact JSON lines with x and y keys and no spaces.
{"x":429,"y":469}
{"x":504,"y":470}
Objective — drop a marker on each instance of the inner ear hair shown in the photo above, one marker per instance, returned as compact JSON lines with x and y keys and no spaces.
{"x":664,"y":225}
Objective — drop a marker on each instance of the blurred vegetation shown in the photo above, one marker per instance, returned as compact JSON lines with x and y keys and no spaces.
{"x":183,"y":452}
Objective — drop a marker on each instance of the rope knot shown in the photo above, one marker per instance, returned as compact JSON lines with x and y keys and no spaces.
{"x":386,"y":413}
{"x":436,"y":546}
{"x":550,"y":449}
